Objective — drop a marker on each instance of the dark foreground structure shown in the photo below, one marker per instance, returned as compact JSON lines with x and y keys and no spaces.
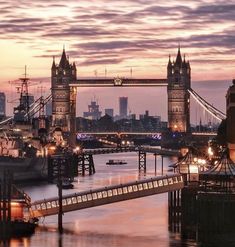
{"x":205,"y":211}
{"x":15,"y":220}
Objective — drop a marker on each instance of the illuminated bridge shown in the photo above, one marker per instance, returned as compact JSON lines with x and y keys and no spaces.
{"x":155,"y":150}
{"x":107,"y":195}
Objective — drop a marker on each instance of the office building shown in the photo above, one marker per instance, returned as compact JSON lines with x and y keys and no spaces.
{"x":123,"y":102}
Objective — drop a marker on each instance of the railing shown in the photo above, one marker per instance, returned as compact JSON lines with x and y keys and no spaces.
{"x":109,"y":194}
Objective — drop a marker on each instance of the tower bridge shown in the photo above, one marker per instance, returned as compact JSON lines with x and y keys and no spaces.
{"x":64,"y":84}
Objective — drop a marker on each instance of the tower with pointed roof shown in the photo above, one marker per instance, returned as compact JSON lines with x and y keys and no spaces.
{"x":179,"y":81}
{"x":61,"y":76}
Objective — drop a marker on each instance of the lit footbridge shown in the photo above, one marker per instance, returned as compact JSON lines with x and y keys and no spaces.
{"x":109,"y":194}
{"x":147,"y":149}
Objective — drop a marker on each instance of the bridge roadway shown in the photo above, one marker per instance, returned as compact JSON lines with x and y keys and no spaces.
{"x":109,"y":194}
{"x":147,"y":149}
{"x":119,"y":82}
{"x":140,"y":133}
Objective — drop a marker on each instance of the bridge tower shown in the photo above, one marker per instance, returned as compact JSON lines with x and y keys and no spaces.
{"x":63,"y":96}
{"x":179,"y":81}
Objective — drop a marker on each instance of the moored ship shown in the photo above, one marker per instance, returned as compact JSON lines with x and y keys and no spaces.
{"x":22,"y":149}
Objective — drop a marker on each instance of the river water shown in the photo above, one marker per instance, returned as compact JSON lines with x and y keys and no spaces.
{"x":140,"y":223}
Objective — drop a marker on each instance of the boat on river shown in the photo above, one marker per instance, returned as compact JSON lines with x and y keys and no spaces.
{"x":116,"y":162}
{"x":66,"y":184}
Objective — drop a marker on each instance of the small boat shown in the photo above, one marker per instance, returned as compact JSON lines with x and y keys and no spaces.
{"x":66,"y":184}
{"x":116,"y":162}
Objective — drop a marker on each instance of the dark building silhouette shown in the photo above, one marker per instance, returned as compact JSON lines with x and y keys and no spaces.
{"x":179,"y":81}
{"x":230,"y":106}
{"x":123,"y":101}
{"x":2,"y":105}
{"x":109,"y":111}
{"x":61,"y":76}
{"x":93,"y":112}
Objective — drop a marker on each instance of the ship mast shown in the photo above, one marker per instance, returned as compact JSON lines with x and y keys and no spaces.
{"x":24,"y":94}
{"x":21,"y":112}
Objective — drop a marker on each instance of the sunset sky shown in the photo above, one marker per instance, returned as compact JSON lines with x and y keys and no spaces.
{"x":119,"y":35}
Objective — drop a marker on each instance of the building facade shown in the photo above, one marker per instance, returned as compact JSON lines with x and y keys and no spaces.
{"x":230,"y":110}
{"x":62,"y":106}
{"x":179,"y":81}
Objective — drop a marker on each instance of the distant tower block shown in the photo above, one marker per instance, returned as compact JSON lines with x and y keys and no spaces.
{"x":179,"y":81}
{"x":62,"y":96}
{"x":230,"y":106}
{"x":123,"y":102}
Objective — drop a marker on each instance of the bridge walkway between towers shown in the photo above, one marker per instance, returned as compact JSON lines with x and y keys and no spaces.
{"x":158,"y":151}
{"x":109,"y":194}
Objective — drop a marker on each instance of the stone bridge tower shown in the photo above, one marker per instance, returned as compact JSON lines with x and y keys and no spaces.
{"x":179,"y":81}
{"x":62,"y":98}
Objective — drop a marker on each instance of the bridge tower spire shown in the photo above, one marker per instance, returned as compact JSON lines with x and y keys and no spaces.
{"x":179,"y":81}
{"x":61,"y":76}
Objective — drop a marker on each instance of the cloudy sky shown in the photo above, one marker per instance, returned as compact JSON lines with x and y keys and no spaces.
{"x":119,"y":35}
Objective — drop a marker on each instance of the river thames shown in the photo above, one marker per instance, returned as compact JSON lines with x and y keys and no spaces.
{"x":140,"y":222}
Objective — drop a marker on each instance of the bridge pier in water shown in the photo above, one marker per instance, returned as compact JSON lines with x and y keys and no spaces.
{"x":86,"y":164}
{"x":66,"y":164}
{"x":142,"y":161}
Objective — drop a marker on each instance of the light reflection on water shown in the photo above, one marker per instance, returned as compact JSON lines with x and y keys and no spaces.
{"x":140,"y":222}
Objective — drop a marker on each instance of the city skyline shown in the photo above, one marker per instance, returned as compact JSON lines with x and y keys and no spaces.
{"x":131,"y":41}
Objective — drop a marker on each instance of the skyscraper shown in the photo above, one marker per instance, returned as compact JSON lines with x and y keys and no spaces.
{"x":123,"y":101}
{"x":2,"y":104}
